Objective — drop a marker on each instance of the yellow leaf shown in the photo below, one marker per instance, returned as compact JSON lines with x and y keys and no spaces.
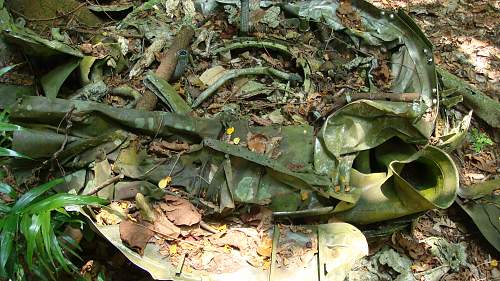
{"x":266,"y":265}
{"x":265,"y":248}
{"x":227,"y":249}
{"x":230,"y":130}
{"x":173,"y":249}
{"x":164,"y":182}
{"x":494,"y":263}
{"x":304,"y":195}
{"x":221,"y":228}
{"x":236,"y":140}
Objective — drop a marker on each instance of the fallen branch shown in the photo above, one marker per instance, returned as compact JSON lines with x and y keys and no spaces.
{"x":231,"y":74}
{"x":484,"y":107}
{"x":169,"y":59}
{"x":208,"y":228}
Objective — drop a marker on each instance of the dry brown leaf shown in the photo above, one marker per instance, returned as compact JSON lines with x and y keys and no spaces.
{"x":213,"y":74}
{"x":163,"y":148}
{"x":135,"y":236}
{"x":257,"y":143}
{"x":180,"y":211}
{"x":233,"y":238}
{"x":414,"y":249}
{"x":261,"y":121}
{"x":260,"y":216}
{"x":224,"y":263}
{"x":348,"y":15}
{"x":165,"y":227}
{"x":272,"y":61}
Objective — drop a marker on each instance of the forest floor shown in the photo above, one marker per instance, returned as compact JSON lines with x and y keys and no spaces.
{"x":466,"y":38}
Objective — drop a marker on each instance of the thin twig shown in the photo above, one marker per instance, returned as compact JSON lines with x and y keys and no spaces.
{"x":69,"y":124}
{"x":175,"y":163}
{"x":156,"y":166}
{"x":104,"y":184}
{"x":208,"y":228}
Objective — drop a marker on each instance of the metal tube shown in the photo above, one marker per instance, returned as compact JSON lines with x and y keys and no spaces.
{"x":182,"y":62}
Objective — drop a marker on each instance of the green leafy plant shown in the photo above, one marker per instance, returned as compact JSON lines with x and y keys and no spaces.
{"x":31,"y":239}
{"x":5,"y":129}
{"x":479,"y":140}
{"x":8,"y":68}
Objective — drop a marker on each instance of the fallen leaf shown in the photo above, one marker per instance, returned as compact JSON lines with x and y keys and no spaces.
{"x":180,"y":211}
{"x":164,"y":182}
{"x":274,"y":62}
{"x":135,"y":236}
{"x":230,"y":130}
{"x":236,"y":140}
{"x":276,"y":117}
{"x":258,"y":215}
{"x":232,"y":238}
{"x":257,"y":143}
{"x":165,"y":227}
{"x":265,"y":248}
{"x":224,"y":263}
{"x":304,"y":195}
{"x":164,"y":147}
{"x":221,"y":228}
{"x":172,"y":250}
{"x":211,"y":75}
{"x":261,"y":121}
{"x":206,"y":258}
{"x":106,"y":218}
{"x":442,"y":221}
